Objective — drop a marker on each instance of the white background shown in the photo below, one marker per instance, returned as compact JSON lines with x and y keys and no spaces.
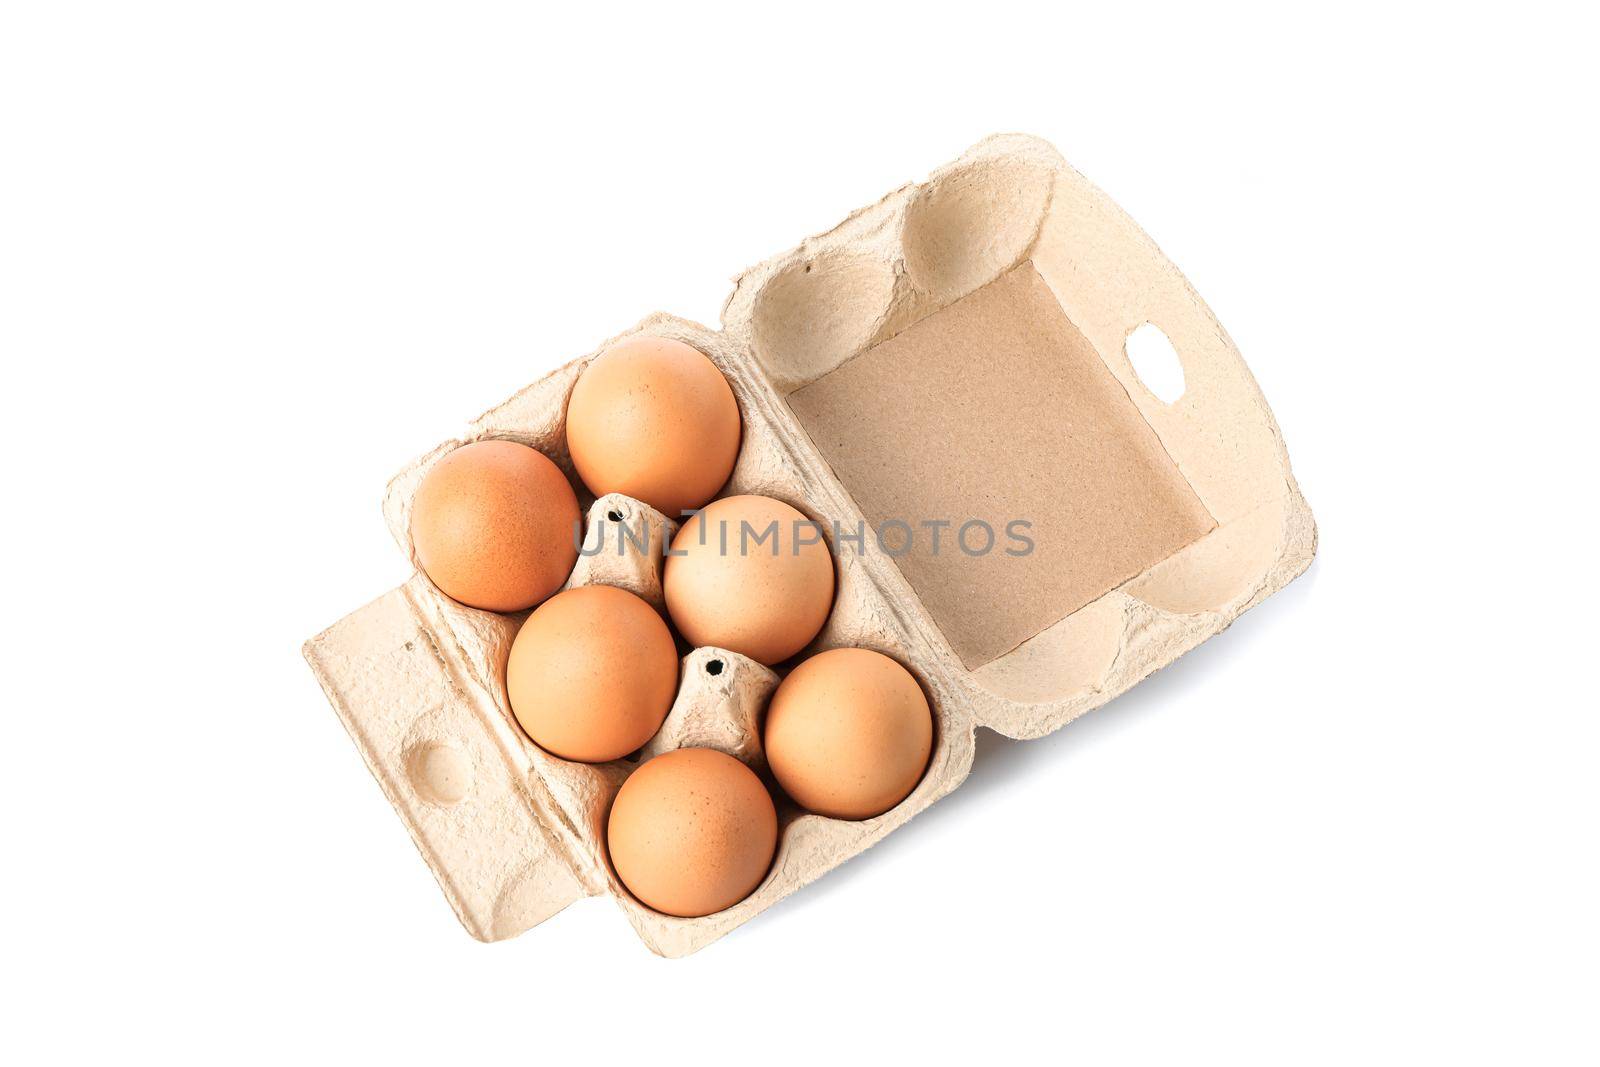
{"x":254,"y":257}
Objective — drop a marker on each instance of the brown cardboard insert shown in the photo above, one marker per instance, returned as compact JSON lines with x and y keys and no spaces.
{"x":1000,"y":465}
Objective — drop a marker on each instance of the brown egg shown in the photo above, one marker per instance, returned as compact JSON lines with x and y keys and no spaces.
{"x":849,"y":733}
{"x":592,"y":674}
{"x":743,"y":576}
{"x":692,"y":832}
{"x":654,"y":419}
{"x":493,"y":525}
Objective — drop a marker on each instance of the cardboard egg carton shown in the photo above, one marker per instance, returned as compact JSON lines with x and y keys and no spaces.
{"x":953,"y":353}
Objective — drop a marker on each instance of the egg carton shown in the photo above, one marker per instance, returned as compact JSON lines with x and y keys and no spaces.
{"x":853,"y":360}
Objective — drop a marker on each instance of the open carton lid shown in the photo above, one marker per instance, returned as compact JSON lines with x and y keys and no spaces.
{"x":954,"y":354}
{"x":959,"y":351}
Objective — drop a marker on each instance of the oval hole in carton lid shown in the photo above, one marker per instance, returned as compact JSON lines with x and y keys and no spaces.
{"x":1156,"y":362}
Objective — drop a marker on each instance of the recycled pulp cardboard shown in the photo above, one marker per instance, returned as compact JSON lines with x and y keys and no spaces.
{"x":954,"y":352}
{"x":1095,"y":495}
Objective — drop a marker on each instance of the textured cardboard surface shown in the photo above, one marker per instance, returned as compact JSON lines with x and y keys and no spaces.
{"x":996,"y":410}
{"x":514,"y":834}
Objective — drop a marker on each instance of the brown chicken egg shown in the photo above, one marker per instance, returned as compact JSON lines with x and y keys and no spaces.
{"x":493,"y":524}
{"x":654,"y":419}
{"x":592,"y":674}
{"x":849,"y":733}
{"x":692,"y":832}
{"x":752,"y":575}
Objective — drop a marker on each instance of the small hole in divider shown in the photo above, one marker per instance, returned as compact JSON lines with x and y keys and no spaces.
{"x":1156,"y":362}
{"x":714,"y":667}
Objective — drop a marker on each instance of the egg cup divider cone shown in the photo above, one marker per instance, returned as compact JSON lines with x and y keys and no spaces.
{"x":514,"y":835}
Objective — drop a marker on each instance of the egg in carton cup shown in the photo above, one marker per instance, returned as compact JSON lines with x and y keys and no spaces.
{"x":943,"y":382}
